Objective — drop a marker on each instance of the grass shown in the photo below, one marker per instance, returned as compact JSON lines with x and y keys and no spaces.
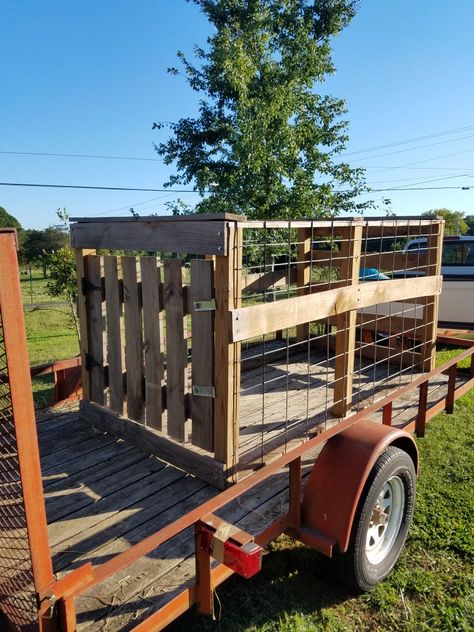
{"x":34,"y":290}
{"x":50,"y":336}
{"x":431,"y":587}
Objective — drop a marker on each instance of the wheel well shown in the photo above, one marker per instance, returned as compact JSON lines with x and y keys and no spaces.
{"x":407,"y":445}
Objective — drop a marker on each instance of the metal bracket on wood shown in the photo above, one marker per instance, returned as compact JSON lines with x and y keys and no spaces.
{"x":205,"y":306}
{"x":204,"y":391}
{"x":90,"y":362}
{"x":87,"y":286}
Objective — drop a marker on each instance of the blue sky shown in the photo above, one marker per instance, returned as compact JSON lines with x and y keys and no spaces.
{"x":90,"y":77}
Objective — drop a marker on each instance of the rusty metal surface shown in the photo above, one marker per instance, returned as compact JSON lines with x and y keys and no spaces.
{"x":17,"y":594}
{"x":25,"y":561}
{"x":339,"y":474}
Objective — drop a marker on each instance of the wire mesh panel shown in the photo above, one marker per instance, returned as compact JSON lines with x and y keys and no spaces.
{"x":302,"y":373}
{"x":17,"y":593}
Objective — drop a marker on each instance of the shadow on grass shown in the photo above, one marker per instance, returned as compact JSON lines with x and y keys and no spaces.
{"x":294,"y":581}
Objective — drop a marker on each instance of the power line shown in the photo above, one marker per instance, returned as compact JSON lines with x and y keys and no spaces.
{"x":401,"y":151}
{"x":44,"y":153}
{"x":411,"y":140}
{"x":94,"y":188}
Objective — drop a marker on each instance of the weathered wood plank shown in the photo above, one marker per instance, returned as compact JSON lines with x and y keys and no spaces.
{"x":133,"y":340}
{"x":148,"y":440}
{"x":202,"y":323}
{"x":228,"y":290}
{"x":96,"y":328}
{"x":192,"y":237}
{"x":250,"y":322}
{"x":113,"y":306}
{"x":430,"y":313}
{"x":152,"y":342}
{"x":303,"y":273}
{"x":176,"y":356}
{"x":346,"y":323}
{"x":83,"y":309}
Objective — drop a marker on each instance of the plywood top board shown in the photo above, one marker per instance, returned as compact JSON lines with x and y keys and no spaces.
{"x":191,"y":237}
{"x":166,"y":218}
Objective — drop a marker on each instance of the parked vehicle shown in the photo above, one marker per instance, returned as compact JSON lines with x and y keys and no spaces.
{"x":456,"y":305}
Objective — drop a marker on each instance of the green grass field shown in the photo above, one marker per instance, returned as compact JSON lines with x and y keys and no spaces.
{"x":33,"y":290}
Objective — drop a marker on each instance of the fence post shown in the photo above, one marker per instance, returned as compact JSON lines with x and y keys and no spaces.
{"x":228,"y":292}
{"x":430,"y":311}
{"x":351,"y":246}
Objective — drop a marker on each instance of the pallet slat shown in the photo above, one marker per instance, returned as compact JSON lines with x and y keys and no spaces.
{"x":133,"y":339}
{"x":96,"y":328}
{"x":175,"y":349}
{"x":152,"y":342}
{"x":114,"y":314}
{"x":202,"y":408}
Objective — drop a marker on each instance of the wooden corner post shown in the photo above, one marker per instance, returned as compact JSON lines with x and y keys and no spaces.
{"x":346,"y":323}
{"x":430,"y":311}
{"x":228,"y":292}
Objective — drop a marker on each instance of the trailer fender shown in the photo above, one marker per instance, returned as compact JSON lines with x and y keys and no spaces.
{"x":338,"y":477}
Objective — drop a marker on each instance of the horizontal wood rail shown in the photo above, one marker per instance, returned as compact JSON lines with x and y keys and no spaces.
{"x":256,"y":320}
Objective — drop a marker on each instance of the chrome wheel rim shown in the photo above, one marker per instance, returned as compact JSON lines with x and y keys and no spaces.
{"x":385,"y":521}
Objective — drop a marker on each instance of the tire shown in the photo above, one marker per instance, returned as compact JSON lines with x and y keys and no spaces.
{"x":381,"y":523}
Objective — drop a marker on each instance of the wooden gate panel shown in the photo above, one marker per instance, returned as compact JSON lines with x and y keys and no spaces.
{"x":133,"y":340}
{"x":152,"y":342}
{"x":202,"y":355}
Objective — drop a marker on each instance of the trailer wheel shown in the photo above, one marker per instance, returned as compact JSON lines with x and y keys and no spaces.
{"x":381,"y":523}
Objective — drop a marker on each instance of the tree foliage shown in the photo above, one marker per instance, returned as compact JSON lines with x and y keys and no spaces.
{"x":39,"y":244}
{"x":455,"y":223}
{"x":7,"y":220}
{"x":266,"y":143}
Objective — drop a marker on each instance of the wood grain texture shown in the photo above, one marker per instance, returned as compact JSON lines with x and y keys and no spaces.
{"x":228,"y":289}
{"x":96,"y":328}
{"x":190,"y":460}
{"x":114,"y":313}
{"x":133,"y":340}
{"x":346,"y":323}
{"x":202,"y":323}
{"x":430,"y":314}
{"x":192,"y":237}
{"x":303,"y":273}
{"x":250,"y":322}
{"x":82,"y":312}
{"x":176,"y":356}
{"x":152,"y":342}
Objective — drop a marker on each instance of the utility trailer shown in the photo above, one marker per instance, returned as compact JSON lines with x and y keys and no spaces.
{"x":230,"y":394}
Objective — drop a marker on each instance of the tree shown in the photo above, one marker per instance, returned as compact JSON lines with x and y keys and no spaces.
{"x":7,"y":220}
{"x":265,"y":143}
{"x":455,"y":224}
{"x":39,"y":244}
{"x":63,"y":280}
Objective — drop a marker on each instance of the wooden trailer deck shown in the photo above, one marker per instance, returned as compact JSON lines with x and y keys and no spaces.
{"x":103,"y":495}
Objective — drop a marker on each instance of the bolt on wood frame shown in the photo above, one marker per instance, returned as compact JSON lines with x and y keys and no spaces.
{"x":134,"y":345}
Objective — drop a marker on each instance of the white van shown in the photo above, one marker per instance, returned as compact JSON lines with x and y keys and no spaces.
{"x":456,"y":304}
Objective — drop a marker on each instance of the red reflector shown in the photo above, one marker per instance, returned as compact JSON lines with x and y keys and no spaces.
{"x":243,"y":559}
